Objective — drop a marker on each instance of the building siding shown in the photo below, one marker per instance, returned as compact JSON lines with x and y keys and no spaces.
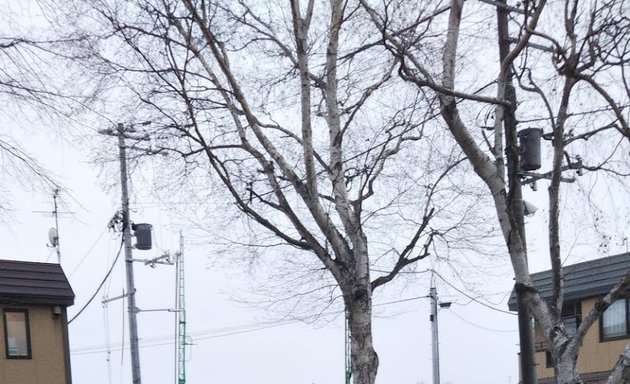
{"x":48,"y":364}
{"x":595,"y":357}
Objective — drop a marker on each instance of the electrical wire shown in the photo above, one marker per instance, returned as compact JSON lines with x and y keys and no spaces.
{"x":400,"y":301}
{"x":476,"y":300}
{"x":223,"y":332}
{"x":88,"y":252}
{"x":237,"y":330}
{"x":101,"y":284}
{"x":209,"y":334}
{"x":49,"y":254}
{"x":480,"y":326}
{"x":159,"y":341}
{"x":473,"y":298}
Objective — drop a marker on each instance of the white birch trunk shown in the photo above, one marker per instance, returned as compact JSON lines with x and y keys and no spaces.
{"x":621,"y":373}
{"x":566,"y":370}
{"x":364,"y":357}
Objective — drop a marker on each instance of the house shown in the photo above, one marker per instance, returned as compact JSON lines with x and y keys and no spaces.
{"x":34,"y":330}
{"x":584,"y":284}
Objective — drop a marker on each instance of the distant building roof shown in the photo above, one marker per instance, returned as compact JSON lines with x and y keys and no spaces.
{"x":24,"y":282}
{"x":582,"y":280}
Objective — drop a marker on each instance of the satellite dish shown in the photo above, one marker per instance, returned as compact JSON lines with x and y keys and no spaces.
{"x":53,"y":237}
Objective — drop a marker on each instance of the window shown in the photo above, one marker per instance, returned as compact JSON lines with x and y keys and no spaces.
{"x":572,"y":317}
{"x":17,"y":338}
{"x":549,"y":363}
{"x":571,"y":324}
{"x":614,"y":321}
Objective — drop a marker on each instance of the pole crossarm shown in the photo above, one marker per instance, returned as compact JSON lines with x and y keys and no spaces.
{"x":165,"y":259}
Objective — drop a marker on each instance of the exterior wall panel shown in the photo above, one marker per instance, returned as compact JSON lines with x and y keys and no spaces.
{"x":595,"y":357}
{"x":47,"y":365}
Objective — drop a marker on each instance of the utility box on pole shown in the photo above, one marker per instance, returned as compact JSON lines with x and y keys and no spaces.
{"x":529,"y":140}
{"x":143,"y":236}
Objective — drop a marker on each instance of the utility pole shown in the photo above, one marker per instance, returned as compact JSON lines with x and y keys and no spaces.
{"x":435,"y":341}
{"x":132,"y":310}
{"x":515,"y":194}
{"x":435,"y":338}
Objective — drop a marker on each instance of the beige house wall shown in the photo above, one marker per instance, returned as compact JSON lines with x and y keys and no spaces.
{"x":48,"y":365}
{"x":595,"y":356}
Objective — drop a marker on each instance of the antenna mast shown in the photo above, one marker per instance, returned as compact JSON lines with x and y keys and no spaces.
{"x":180,"y":314}
{"x":56,"y":214}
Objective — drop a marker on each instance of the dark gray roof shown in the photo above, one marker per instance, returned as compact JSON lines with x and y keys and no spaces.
{"x":582,"y":280}
{"x":24,"y":282}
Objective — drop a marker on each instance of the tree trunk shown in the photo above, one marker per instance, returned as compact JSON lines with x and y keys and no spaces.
{"x":621,"y":373}
{"x":566,"y":370}
{"x":364,"y":358}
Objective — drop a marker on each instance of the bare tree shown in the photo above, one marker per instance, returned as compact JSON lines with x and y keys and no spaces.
{"x":18,"y":166}
{"x":570,"y":60}
{"x":22,"y":84}
{"x":295,"y":111}
{"x":38,"y":82}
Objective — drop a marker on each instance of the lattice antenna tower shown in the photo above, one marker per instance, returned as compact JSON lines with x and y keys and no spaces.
{"x":180,"y":318}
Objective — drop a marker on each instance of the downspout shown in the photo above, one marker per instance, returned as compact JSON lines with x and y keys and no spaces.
{"x":66,"y":344}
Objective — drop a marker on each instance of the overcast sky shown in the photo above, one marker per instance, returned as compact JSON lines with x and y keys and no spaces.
{"x":233,"y":342}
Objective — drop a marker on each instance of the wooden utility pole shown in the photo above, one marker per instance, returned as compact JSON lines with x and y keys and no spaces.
{"x":132,"y":310}
{"x":131,"y":289}
{"x":435,"y":340}
{"x":515,"y":194}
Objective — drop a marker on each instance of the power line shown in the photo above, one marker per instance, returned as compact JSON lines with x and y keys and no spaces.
{"x":473,"y":298}
{"x":210,"y":333}
{"x":100,"y":285}
{"x":480,"y":326}
{"x":88,"y":252}
{"x":230,"y":331}
{"x":248,"y":328}
{"x":159,"y":341}
{"x":476,"y":300}
{"x":400,"y":301}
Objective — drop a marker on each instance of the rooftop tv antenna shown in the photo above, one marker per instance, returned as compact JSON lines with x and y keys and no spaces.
{"x":54,"y":240}
{"x":53,"y":232}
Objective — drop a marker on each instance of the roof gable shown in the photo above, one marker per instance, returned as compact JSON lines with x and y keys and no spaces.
{"x":587,"y":279}
{"x":23,"y":282}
